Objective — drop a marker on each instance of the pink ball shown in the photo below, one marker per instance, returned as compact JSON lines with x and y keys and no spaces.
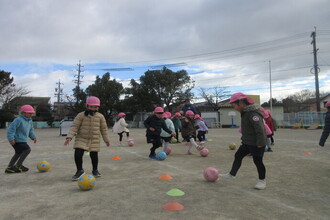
{"x":131,"y":143}
{"x":204,"y":152}
{"x":211,"y":174}
{"x":168,"y":150}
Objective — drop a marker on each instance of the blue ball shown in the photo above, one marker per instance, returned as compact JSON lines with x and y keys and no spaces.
{"x":266,"y":148}
{"x":161,"y":155}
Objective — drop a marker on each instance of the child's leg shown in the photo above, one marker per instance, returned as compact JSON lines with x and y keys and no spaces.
{"x":165,"y":146}
{"x":14,"y":159}
{"x":23,"y":156}
{"x":155,"y":144}
{"x":239,"y":155}
{"x":127,"y":135}
{"x":78,"y":158}
{"x":177,"y":135}
{"x":272,"y":139}
{"x":200,"y":136}
{"x":120,"y":137}
{"x":260,"y":167}
{"x":95,"y":159}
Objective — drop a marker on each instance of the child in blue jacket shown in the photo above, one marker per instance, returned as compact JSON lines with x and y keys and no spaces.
{"x":18,"y":132}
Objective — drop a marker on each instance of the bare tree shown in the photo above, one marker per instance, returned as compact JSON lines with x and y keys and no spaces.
{"x":9,"y":93}
{"x":213,"y":96}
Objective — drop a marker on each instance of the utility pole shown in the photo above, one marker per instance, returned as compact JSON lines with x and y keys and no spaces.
{"x":316,"y":71}
{"x":270,"y":86}
{"x":59,"y":91}
{"x":78,"y":80}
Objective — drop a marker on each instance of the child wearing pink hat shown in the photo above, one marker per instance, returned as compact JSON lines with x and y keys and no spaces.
{"x":87,"y":128}
{"x":18,"y":133}
{"x":120,"y":127}
{"x":188,"y":131}
{"x":154,"y":124}
{"x":253,"y":138}
{"x":202,"y":129}
{"x":164,"y":135}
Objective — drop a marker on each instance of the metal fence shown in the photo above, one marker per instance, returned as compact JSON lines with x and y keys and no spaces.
{"x":303,"y":119}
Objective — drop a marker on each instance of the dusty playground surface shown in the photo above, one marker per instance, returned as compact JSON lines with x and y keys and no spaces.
{"x":298,"y":176}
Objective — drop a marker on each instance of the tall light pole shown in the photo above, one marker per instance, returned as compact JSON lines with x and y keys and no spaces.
{"x":270,"y":86}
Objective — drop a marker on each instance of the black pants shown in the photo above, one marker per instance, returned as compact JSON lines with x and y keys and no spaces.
{"x":324,"y":137}
{"x":121,"y":135}
{"x":156,"y":143}
{"x":22,"y":150}
{"x":78,"y":158}
{"x":201,"y":135}
{"x":177,"y":134}
{"x":257,"y":154}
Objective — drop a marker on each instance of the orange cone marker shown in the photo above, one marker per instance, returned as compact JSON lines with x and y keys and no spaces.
{"x":116,"y":158}
{"x":165,"y":177}
{"x":173,"y":206}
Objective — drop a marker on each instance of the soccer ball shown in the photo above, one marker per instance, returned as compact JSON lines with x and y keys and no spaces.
{"x":161,"y":155}
{"x":43,"y":166}
{"x":174,"y":140}
{"x":232,"y":146}
{"x":211,"y":174}
{"x":86,"y":182}
{"x":168,"y":150}
{"x":131,"y":143}
{"x":204,"y":152}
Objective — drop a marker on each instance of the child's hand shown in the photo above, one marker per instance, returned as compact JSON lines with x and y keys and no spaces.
{"x":173,"y":134}
{"x":67,"y":141}
{"x":35,"y":140}
{"x":186,"y":120}
{"x":108,"y":144}
{"x":151,"y":129}
{"x":260,"y":146}
{"x":13,"y":142}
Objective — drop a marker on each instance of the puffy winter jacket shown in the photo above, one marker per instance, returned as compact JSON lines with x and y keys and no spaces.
{"x":87,"y":130}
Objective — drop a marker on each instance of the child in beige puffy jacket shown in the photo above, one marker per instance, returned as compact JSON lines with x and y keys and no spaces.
{"x":87,"y":127}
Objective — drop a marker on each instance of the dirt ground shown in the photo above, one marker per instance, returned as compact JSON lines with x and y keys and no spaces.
{"x":298,"y":174}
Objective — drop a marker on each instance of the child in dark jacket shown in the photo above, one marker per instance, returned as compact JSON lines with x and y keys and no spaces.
{"x":188,"y":131}
{"x":326,"y":130}
{"x":154,"y":124}
{"x":253,"y":138}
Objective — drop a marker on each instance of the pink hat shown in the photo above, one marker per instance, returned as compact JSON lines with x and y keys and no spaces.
{"x":197,"y":116}
{"x":27,"y":109}
{"x":327,"y":104}
{"x":159,"y":110}
{"x":167,"y":115}
{"x":239,"y":96}
{"x":93,"y":101}
{"x":121,"y":114}
{"x":189,"y":112}
{"x":177,"y":114}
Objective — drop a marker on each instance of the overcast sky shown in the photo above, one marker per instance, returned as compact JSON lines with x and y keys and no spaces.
{"x":223,"y":43}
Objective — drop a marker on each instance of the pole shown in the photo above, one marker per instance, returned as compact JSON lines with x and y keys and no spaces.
{"x":270,"y":86}
{"x":316,"y":71}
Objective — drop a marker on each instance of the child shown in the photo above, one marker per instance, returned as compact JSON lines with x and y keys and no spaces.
{"x":326,"y":130}
{"x":164,"y":135}
{"x":253,"y":137}
{"x":201,"y":128}
{"x":270,"y":122}
{"x":154,"y":124}
{"x":177,"y":124}
{"x":188,"y":131}
{"x":87,"y":127}
{"x":120,"y":127}
{"x":18,"y":132}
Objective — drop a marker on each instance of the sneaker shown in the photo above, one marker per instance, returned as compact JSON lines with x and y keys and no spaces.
{"x":200,"y":147}
{"x":226,"y":176}
{"x":96,"y":173}
{"x":269,"y":150}
{"x":78,"y":174}
{"x":22,"y":168}
{"x":152,"y":157}
{"x":261,"y":184}
{"x":272,"y":143}
{"x":12,"y":169}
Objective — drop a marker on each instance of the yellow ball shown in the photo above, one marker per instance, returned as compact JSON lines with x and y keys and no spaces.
{"x":232,"y":146}
{"x":43,"y":166}
{"x":174,"y":140}
{"x":86,"y":182}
